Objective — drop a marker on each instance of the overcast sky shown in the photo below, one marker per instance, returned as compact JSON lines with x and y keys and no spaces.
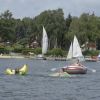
{"x":31,"y":8}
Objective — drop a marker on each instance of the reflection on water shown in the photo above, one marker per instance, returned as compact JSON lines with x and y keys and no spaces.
{"x":37,"y":85}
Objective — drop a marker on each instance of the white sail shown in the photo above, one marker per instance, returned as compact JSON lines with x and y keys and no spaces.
{"x":75,"y":50}
{"x":44,"y":42}
{"x":70,"y":53}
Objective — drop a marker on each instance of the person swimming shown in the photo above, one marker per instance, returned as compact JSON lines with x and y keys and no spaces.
{"x":17,"y":71}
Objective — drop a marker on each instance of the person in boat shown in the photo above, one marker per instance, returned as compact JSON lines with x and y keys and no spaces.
{"x":17,"y":71}
{"x":78,"y":63}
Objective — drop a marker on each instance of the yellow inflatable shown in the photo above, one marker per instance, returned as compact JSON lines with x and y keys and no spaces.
{"x":22,"y":71}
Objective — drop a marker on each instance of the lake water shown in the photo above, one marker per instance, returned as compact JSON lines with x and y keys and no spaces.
{"x":38,"y":85}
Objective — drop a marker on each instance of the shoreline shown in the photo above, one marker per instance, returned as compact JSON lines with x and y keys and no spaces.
{"x":41,"y":58}
{"x":33,"y":57}
{"x":9,"y":56}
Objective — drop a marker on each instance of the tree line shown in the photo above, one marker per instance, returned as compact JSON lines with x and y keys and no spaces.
{"x":60,"y":30}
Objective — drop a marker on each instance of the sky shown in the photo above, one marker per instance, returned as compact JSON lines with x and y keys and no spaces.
{"x":32,"y":8}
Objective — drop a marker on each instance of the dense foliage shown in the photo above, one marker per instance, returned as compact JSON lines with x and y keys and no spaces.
{"x":60,"y":30}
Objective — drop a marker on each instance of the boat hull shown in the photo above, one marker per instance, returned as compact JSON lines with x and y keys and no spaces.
{"x":75,"y":70}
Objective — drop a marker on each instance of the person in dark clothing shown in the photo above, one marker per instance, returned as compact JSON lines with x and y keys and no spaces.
{"x":17,"y":71}
{"x":78,"y":61}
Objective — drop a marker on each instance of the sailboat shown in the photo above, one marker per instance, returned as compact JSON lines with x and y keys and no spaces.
{"x":75,"y":50}
{"x":75,"y":53}
{"x":44,"y":44}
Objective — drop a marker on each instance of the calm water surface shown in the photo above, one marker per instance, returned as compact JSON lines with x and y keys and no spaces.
{"x":37,"y":85}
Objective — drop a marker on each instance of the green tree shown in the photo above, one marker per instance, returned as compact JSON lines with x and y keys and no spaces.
{"x":7,"y":26}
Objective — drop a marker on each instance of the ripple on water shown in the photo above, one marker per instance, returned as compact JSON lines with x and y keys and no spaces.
{"x":38,"y":85}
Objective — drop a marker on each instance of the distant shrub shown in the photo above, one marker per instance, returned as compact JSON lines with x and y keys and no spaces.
{"x":56,"y":52}
{"x":37,"y":51}
{"x":4,"y":50}
{"x":91,"y":53}
{"x":18,"y":50}
{"x":26,"y":51}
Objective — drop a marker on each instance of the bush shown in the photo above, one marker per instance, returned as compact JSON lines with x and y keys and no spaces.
{"x":26,"y":51}
{"x":17,"y":46}
{"x":37,"y":51}
{"x":4,"y":50}
{"x":9,"y":48}
{"x":56,"y":52}
{"x":18,"y":50}
{"x":91,"y":53}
